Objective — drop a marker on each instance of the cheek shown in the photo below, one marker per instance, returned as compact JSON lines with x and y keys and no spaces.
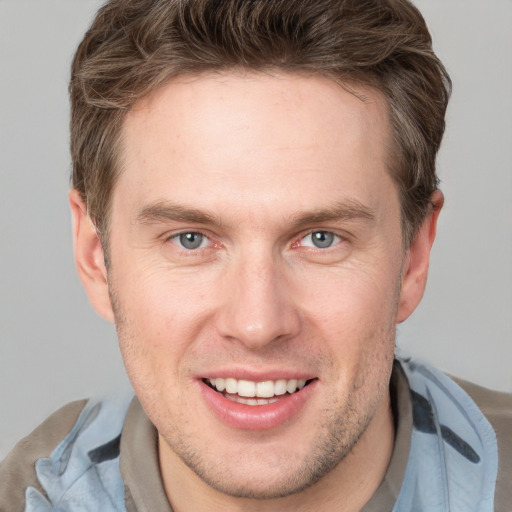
{"x":354,"y":315}
{"x":161,"y":301}
{"x":158,"y":320}
{"x":350,"y":301}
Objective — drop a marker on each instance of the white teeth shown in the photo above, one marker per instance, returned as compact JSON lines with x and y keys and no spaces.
{"x":231,"y":386}
{"x":291,"y":385}
{"x":279,"y":387}
{"x":246,"y":388}
{"x":250,"y":389}
{"x":265,"y":389}
{"x":251,"y":401}
{"x":220,"y":384}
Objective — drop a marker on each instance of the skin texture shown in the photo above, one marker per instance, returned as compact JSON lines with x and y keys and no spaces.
{"x":254,"y":164}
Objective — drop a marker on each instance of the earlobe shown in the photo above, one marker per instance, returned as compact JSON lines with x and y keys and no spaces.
{"x":89,"y":257}
{"x":416,"y":262}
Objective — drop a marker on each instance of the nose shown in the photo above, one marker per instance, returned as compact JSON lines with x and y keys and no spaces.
{"x":258,"y":307}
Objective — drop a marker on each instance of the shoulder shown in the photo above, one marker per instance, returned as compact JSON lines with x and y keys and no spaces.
{"x":17,"y":470}
{"x":497,"y":408}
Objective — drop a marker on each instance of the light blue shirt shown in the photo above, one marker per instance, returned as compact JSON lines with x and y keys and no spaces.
{"x":452,"y":464}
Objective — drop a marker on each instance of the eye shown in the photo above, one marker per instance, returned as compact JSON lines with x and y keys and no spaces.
{"x":320,"y":239}
{"x":190,"y":240}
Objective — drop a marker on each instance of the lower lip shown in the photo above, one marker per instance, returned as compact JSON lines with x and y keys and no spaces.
{"x":256,"y":417}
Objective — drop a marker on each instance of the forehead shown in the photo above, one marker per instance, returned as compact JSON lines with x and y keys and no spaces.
{"x":216,"y":136}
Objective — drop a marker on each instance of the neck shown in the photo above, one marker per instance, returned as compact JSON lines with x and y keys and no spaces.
{"x":347,"y":488}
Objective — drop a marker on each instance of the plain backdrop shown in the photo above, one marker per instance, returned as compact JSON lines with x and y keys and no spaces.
{"x":54,"y":348}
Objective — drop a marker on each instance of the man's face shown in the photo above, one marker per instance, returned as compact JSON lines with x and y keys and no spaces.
{"x":255,"y":238}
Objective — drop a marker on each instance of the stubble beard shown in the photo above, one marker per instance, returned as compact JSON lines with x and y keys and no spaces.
{"x":335,"y":441}
{"x":339,"y":434}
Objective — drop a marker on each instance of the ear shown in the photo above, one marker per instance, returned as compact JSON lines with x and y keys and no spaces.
{"x":89,"y":257}
{"x":414,"y":274}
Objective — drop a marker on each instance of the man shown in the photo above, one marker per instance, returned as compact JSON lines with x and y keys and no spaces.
{"x":254,"y":201}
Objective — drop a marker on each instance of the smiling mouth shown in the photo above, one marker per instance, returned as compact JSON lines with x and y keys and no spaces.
{"x":256,"y":393}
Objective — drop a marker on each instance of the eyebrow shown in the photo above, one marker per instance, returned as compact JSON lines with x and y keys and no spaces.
{"x":166,"y":211}
{"x":345,"y":210}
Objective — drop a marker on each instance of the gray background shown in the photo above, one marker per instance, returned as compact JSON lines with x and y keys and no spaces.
{"x":53,"y":347}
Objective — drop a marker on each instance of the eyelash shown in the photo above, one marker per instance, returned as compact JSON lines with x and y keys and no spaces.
{"x":177,"y":240}
{"x":336,"y":239}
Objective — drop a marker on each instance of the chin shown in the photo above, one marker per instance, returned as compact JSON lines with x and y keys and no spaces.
{"x":263,"y":471}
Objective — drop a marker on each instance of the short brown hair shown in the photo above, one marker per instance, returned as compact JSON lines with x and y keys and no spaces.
{"x":134,"y":46}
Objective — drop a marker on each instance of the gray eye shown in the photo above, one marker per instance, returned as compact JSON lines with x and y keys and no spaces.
{"x":191,"y":240}
{"x":322,"y":239}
